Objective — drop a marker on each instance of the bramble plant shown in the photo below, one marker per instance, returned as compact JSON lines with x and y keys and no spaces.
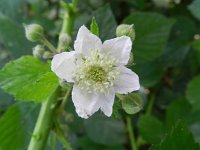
{"x":89,"y":83}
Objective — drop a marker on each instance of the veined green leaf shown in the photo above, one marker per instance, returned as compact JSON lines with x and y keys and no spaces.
{"x":152,"y":31}
{"x":28,"y":79}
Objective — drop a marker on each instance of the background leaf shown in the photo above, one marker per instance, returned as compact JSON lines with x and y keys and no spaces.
{"x":194,"y":8}
{"x":152,"y":31}
{"x":193,"y":92}
{"x":151,"y":129}
{"x":179,"y":138}
{"x":105,"y":130}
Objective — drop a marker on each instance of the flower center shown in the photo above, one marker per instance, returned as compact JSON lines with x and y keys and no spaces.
{"x":97,"y":72}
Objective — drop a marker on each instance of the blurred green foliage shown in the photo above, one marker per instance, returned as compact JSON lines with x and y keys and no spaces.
{"x":166,"y":56}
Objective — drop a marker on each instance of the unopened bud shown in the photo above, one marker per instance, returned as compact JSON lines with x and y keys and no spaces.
{"x":38,"y":51}
{"x":65,"y":40}
{"x":131,"y":60}
{"x":47,"y":55}
{"x":127,"y":30}
{"x":34,"y":32}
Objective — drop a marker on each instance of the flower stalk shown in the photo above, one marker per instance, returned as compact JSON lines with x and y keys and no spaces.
{"x":45,"y":118}
{"x":131,"y":133}
{"x":44,"y":123}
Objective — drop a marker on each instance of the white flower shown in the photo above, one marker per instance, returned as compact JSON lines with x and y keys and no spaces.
{"x":97,"y":70}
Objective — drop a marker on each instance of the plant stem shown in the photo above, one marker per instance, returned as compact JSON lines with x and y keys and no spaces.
{"x":150,"y":104}
{"x":48,"y":44}
{"x":44,"y":122}
{"x":64,"y":101}
{"x":131,"y":133}
{"x":68,"y":20}
{"x":61,"y":137}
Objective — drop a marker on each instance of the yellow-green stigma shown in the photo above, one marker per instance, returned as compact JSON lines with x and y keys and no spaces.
{"x":96,"y":73}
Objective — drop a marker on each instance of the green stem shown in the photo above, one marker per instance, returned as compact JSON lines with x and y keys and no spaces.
{"x":44,"y":123}
{"x":131,"y":133}
{"x":68,"y":20}
{"x":150,"y":104}
{"x":65,"y":98}
{"x":48,"y":44}
{"x":61,"y":137}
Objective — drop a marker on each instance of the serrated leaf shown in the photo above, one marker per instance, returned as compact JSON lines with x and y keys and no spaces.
{"x":94,"y":28}
{"x":106,"y":22}
{"x":193,"y":93}
{"x":152,"y":31}
{"x":194,"y":8}
{"x":151,"y":129}
{"x":180,"y":138}
{"x":103,"y":130}
{"x":132,"y":103}
{"x":28,"y":79}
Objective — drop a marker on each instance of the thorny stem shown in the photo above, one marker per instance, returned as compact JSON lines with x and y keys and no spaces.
{"x":44,"y":122}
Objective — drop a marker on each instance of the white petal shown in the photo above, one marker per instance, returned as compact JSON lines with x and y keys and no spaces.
{"x":119,"y":47}
{"x":107,"y":102}
{"x":86,"y":41}
{"x":127,"y":82}
{"x":88,"y":103}
{"x":63,"y":65}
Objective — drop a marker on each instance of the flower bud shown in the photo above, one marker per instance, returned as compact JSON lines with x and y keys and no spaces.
{"x":127,"y":30}
{"x":47,"y":55}
{"x":38,"y":51}
{"x":65,"y":40}
{"x":131,"y":60}
{"x":34,"y":32}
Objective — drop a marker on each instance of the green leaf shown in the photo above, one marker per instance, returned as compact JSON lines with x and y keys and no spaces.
{"x":106,"y":21}
{"x":13,"y":37}
{"x":16,"y":126}
{"x":182,"y":35}
{"x":180,"y":138}
{"x":151,"y":129}
{"x":94,"y":28}
{"x":194,"y":8}
{"x":28,"y":79}
{"x":132,"y":103}
{"x":193,"y":93}
{"x":104,"y":130}
{"x":12,"y":8}
{"x":11,"y":129}
{"x":177,"y":110}
{"x":150,"y":72}
{"x":86,"y":144}
{"x":152,"y":31}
